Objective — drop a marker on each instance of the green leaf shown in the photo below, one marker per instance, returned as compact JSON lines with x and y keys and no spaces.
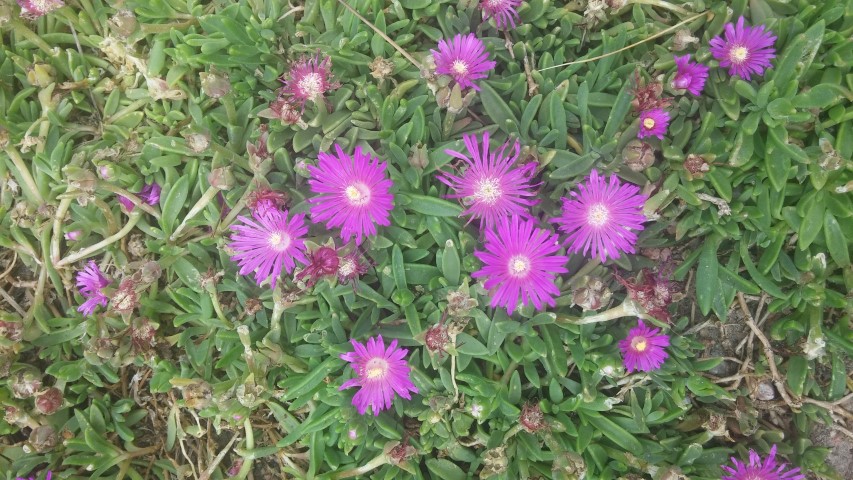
{"x":614,"y":432}
{"x":470,"y":346}
{"x":812,"y":224}
{"x":497,"y":109}
{"x":836,"y":242}
{"x":707,"y":281}
{"x":444,"y":469}
{"x":798,"y":369}
{"x":173,"y":204}
{"x":432,"y":206}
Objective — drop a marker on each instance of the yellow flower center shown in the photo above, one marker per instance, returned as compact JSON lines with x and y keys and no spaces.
{"x":278,"y":241}
{"x":739,"y":54}
{"x":639,"y":344}
{"x":459,"y":67}
{"x":598,"y":215}
{"x":311,"y":85}
{"x":488,"y":191}
{"x":376,"y":368}
{"x":358,"y":194}
{"x":649,"y":123}
{"x":519,"y":266}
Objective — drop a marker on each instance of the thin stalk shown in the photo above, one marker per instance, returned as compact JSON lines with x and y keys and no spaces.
{"x":661,"y":33}
{"x":383,"y":35}
{"x":92,"y":249}
{"x":250,"y":444}
{"x":663,"y":4}
{"x":377,"y":462}
{"x":628,"y":308}
{"x":61,"y":210}
{"x":508,"y":373}
{"x":26,"y":178}
{"x":202,"y":202}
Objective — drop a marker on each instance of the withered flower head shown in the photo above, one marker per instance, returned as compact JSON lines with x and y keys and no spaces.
{"x":531,"y":418}
{"x":647,"y":96}
{"x":322,"y":262}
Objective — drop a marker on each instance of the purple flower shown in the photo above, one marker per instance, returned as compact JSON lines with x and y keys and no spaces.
{"x":653,"y":123}
{"x":309,"y":79}
{"x":643,"y":349}
{"x":463,"y":58}
{"x":90,"y":283}
{"x":149,"y":194}
{"x":490,"y":185}
{"x":353,"y":193}
{"x":32,"y":9}
{"x":690,"y":76}
{"x":73,"y":235}
{"x":520,"y":261}
{"x":502,"y":11}
{"x":758,"y":470}
{"x":267,"y":243}
{"x":602,"y":217}
{"x":380,"y":373}
{"x":745,"y":51}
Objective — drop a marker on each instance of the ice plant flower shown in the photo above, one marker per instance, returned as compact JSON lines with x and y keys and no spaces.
{"x":149,"y":194}
{"x":90,"y":283}
{"x":464,"y":58}
{"x":520,"y":261}
{"x":267,"y":243}
{"x":745,"y":50}
{"x":491,"y":186}
{"x":350,"y":267}
{"x":653,"y":123}
{"x":309,"y":79}
{"x":264,"y":199}
{"x":32,"y":9}
{"x":380,"y":372}
{"x":643,"y":349}
{"x":353,"y":193}
{"x":761,"y":470}
{"x":690,"y":76}
{"x":502,"y":11}
{"x":602,"y":218}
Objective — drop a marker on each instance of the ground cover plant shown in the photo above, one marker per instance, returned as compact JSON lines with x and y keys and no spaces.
{"x":426,"y":239}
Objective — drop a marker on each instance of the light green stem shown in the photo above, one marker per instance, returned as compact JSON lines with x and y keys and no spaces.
{"x":26,"y":178}
{"x":377,"y":462}
{"x":197,"y":208}
{"x":93,"y":249}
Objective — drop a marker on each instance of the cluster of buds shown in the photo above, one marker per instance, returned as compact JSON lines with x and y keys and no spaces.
{"x":592,"y":294}
{"x":654,"y":292}
{"x":647,"y":96}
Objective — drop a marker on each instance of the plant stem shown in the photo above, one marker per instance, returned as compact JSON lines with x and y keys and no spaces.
{"x":662,"y":4}
{"x":378,"y":461}
{"x":61,"y":210}
{"x":250,"y":444}
{"x":197,"y":208}
{"x":628,"y":308}
{"x":130,"y":196}
{"x":26,"y":178}
{"x":92,"y":249}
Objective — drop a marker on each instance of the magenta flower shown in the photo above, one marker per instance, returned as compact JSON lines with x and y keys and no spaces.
{"x":463,"y":58}
{"x":653,"y":123}
{"x":490,"y":185}
{"x":603,"y":217}
{"x":690,"y":76}
{"x":309,"y":79}
{"x":73,"y":235}
{"x":149,"y":194}
{"x":746,"y":50}
{"x":520,"y":261}
{"x":380,"y":373}
{"x":758,"y":470}
{"x":268,"y":242}
{"x":353,"y":193}
{"x":32,"y":9}
{"x":90,"y":283}
{"x":643,"y":349}
{"x":502,"y":11}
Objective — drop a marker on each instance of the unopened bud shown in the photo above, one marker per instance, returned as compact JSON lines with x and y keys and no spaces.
{"x":683,"y":38}
{"x":49,"y":401}
{"x":419,"y":158}
{"x":215,"y":85}
{"x":73,"y":235}
{"x":638,"y":155}
{"x":40,"y":74}
{"x":381,"y":68}
{"x":123,"y":23}
{"x":198,"y":142}
{"x":43,"y":439}
{"x":221,"y":178}
{"x":301,"y":169}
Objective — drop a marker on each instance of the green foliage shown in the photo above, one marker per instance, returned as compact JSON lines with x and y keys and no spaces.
{"x":213,"y":375}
